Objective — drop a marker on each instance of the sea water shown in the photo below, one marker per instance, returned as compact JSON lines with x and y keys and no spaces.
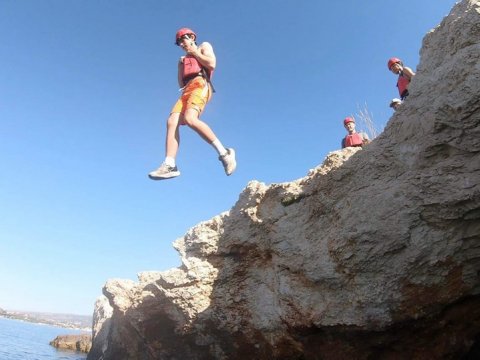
{"x":21,"y":340}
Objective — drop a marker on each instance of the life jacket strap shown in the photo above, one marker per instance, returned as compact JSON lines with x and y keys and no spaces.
{"x":205,"y":75}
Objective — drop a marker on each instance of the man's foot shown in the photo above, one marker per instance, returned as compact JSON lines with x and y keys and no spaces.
{"x":228,"y":161}
{"x":164,"y":172}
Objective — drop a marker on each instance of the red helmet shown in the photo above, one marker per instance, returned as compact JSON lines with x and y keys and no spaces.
{"x":393,"y":61}
{"x":183,"y":31}
{"x":348,"y":120}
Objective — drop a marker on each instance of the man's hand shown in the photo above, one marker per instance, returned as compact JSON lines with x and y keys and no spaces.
{"x":189,"y":46}
{"x":193,"y":51}
{"x":203,"y":53}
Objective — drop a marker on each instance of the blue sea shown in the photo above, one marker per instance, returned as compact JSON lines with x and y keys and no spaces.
{"x":27,"y":341}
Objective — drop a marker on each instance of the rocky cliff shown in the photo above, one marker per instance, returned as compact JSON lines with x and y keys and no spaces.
{"x":374,"y":254}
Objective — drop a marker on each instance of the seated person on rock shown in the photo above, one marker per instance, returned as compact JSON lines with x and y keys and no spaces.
{"x":353,"y":138}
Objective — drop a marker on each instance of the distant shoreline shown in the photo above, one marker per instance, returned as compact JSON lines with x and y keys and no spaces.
{"x":66,"y":321}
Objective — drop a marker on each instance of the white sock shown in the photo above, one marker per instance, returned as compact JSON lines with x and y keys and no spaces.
{"x":170,"y":161}
{"x":219,"y":147}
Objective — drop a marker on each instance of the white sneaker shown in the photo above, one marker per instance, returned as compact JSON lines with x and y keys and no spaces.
{"x":164,"y":172}
{"x":228,"y":161}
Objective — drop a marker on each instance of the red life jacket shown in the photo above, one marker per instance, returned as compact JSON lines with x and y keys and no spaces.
{"x":353,"y":140}
{"x":402,"y":85}
{"x":192,"y":68}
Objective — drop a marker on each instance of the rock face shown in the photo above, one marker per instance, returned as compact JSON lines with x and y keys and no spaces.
{"x":101,"y":327}
{"x":81,"y":342}
{"x":374,"y":254}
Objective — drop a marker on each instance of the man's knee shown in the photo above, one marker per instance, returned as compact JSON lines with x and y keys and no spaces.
{"x":190,"y":118}
{"x":173,"y":120}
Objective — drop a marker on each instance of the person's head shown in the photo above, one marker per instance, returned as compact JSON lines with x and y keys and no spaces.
{"x":185,"y":37}
{"x":349,"y":124}
{"x":395,"y":65}
{"x":395,"y":103}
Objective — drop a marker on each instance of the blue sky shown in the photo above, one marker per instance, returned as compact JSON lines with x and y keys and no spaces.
{"x":85,"y":90}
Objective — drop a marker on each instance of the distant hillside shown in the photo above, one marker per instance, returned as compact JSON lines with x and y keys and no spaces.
{"x":70,"y":321}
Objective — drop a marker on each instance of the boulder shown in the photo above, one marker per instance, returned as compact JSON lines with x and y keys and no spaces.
{"x":76,"y":342}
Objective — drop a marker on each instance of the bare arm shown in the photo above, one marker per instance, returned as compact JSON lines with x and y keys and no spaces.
{"x":408,"y":72}
{"x":205,"y":55}
{"x":365,"y":139}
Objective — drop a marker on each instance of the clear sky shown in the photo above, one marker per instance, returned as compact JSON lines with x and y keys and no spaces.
{"x":85,"y":90}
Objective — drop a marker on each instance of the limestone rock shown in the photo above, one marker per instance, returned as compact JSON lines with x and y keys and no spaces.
{"x":101,"y":327}
{"x":374,"y":254}
{"x":76,"y":342}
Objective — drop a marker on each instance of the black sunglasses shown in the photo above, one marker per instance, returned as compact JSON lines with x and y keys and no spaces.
{"x":179,"y":40}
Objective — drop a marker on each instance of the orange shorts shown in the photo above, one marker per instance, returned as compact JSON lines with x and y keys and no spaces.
{"x":196,"y":95}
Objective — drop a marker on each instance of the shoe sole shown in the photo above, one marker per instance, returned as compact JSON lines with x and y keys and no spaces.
{"x":234,"y":162}
{"x":164,"y":177}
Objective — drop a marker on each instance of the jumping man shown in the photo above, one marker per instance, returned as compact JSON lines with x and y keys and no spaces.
{"x":195,"y":70}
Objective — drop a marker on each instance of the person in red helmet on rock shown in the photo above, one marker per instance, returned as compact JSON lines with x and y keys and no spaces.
{"x":195,"y":71}
{"x":405,"y":75}
{"x":353,"y":138}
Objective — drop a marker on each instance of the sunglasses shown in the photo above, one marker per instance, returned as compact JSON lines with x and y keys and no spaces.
{"x":181,"y":38}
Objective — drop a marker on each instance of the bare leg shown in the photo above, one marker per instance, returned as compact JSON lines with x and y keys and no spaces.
{"x":228,"y":158}
{"x":191,"y":119}
{"x":168,"y":170}
{"x":172,"y":141}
